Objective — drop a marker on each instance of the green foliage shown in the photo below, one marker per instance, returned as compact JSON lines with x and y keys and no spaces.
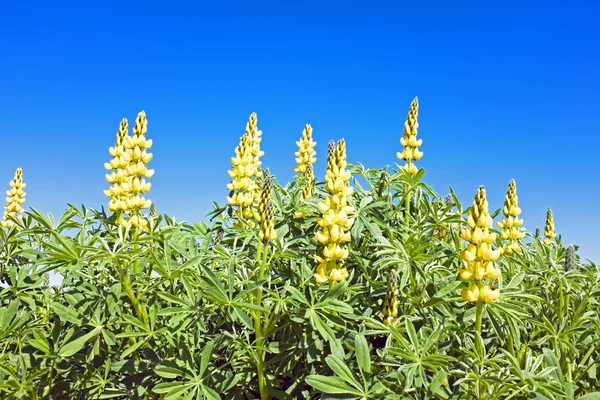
{"x":185,"y":326}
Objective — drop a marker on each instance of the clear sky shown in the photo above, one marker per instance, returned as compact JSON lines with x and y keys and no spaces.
{"x":507,"y":90}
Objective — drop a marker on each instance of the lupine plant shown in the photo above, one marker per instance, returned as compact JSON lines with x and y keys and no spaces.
{"x":351,"y":283}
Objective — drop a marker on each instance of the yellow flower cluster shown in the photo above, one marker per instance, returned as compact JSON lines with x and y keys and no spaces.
{"x":246,"y":170}
{"x":549,"y":229}
{"x":511,"y":224}
{"x":305,"y":156}
{"x":15,"y":199}
{"x":267,"y":228}
{"x":411,"y":152}
{"x":479,"y":257}
{"x":266,"y":209}
{"x":335,"y":221}
{"x":390,"y":304}
{"x":129,"y":170}
{"x":309,"y":177}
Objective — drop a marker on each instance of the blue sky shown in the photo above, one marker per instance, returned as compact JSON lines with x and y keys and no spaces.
{"x":507,"y":91}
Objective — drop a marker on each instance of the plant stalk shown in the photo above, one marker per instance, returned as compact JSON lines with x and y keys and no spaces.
{"x":260,"y":361}
{"x":478,"y":319}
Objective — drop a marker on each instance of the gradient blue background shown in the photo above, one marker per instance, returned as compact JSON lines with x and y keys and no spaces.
{"x":506,"y":91}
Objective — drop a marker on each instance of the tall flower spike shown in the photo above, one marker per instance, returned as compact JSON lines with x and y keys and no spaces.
{"x":449,"y":199}
{"x":390,"y":304}
{"x":335,"y":223}
{"x":309,"y":178}
{"x":411,"y":152}
{"x":137,"y":172}
{"x":117,"y":178}
{"x":245,"y":171}
{"x":549,"y":229}
{"x":478,"y":257}
{"x":570,"y":258}
{"x":267,"y":225}
{"x":511,"y":224}
{"x":265,"y":194}
{"x":305,"y":156}
{"x":15,"y":200}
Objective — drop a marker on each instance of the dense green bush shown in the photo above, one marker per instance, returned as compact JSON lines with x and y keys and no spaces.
{"x":171,"y":312}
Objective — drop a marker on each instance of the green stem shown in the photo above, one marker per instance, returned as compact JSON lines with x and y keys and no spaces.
{"x":260,"y":362}
{"x":140,"y":312}
{"x":407,"y":201}
{"x":478,"y":318}
{"x":136,"y":266}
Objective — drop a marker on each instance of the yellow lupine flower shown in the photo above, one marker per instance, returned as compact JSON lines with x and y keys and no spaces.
{"x":307,"y":189}
{"x":549,"y":229}
{"x":305,"y":156}
{"x":129,"y":172}
{"x":334,"y":222}
{"x":267,"y":229}
{"x":136,"y":172}
{"x":411,"y":152}
{"x":390,"y":304}
{"x":479,"y":257}
{"x":246,"y":170}
{"x":15,"y":200}
{"x":266,"y":210}
{"x":511,"y":224}
{"x":118,"y":178}
{"x":265,"y":193}
{"x":309,"y":177}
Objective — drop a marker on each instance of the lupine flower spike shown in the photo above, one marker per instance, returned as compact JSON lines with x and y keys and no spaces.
{"x":305,"y":156}
{"x":137,"y":172}
{"x":549,"y":229}
{"x":245,"y":171}
{"x":153,"y":210}
{"x":307,"y":189}
{"x":265,"y":194}
{"x":128,"y":172}
{"x":266,"y":210}
{"x":335,"y":222}
{"x":570,"y":258}
{"x":478,"y":258}
{"x":267,"y":229}
{"x":511,"y":224}
{"x":15,"y":200}
{"x":309,"y":178}
{"x":411,"y":152}
{"x":449,"y":199}
{"x":390,"y":304}
{"x":117,"y":177}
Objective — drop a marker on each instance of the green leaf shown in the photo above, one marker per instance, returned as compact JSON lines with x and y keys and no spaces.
{"x":168,"y":372}
{"x":342,"y":370}
{"x":67,"y":314}
{"x":206,"y":354}
{"x":590,"y":396}
{"x":437,"y":381}
{"x":172,"y":388}
{"x":331,"y":385}
{"x":362,"y":354}
{"x":74,"y":346}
